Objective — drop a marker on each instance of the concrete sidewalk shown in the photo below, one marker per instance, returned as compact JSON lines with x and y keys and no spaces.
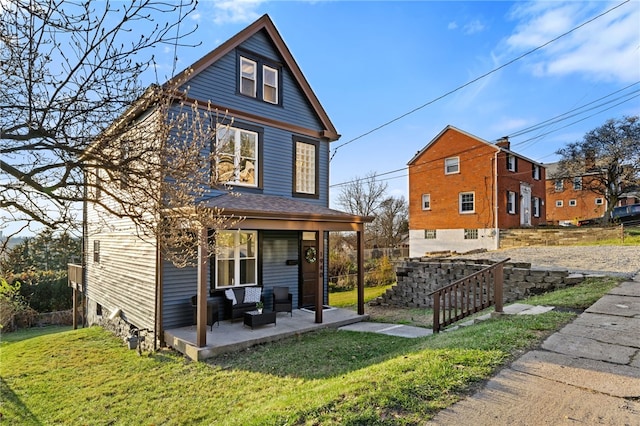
{"x":587,"y":373}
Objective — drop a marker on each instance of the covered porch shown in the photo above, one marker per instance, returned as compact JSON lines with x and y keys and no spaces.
{"x":264,"y":213}
{"x":231,"y":336}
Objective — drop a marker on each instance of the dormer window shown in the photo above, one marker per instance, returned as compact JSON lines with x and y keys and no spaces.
{"x":259,"y":79}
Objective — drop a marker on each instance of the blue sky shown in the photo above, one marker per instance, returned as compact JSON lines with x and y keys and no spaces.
{"x":370,"y":62}
{"x":373,"y":62}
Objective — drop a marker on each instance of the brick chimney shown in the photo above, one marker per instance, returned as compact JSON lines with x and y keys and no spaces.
{"x":503,"y":142}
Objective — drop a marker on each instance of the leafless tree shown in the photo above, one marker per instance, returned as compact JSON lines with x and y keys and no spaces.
{"x":69,"y":70}
{"x":391,"y":222}
{"x":609,"y":155}
{"x":362,"y":196}
{"x":169,"y":146}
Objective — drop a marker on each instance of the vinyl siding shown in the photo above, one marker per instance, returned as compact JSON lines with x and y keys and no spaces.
{"x":277,"y":248}
{"x":124,"y":278}
{"x":178,"y":286}
{"x":218,"y":84}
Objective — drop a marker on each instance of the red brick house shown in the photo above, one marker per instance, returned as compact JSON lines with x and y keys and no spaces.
{"x":463,"y":190}
{"x":569,"y":201}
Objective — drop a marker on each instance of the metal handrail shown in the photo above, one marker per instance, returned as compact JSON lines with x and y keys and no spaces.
{"x":468,"y":295}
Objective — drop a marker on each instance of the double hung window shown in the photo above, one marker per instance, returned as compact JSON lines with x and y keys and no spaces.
{"x":511,"y":202}
{"x":248,"y":77}
{"x":536,"y":172}
{"x":577,"y":183}
{"x":259,"y":80}
{"x":426,"y":201}
{"x":536,"y":206}
{"x":558,"y":185}
{"x":512,"y":163}
{"x":237,"y":259}
{"x":467,"y":202}
{"x":451,"y":165}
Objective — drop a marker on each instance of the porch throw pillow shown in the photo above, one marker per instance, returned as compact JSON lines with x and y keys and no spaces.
{"x":252,"y":294}
{"x":231,"y":296}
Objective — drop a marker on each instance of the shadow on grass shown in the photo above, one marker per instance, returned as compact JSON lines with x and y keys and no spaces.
{"x":12,"y":410}
{"x":318,"y":355}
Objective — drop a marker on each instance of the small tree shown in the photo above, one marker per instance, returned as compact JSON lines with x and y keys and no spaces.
{"x":610,"y":154}
{"x":391,"y":222}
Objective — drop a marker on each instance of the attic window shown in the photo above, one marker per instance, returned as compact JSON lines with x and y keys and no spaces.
{"x":248,"y":77}
{"x":259,"y":78}
{"x":270,"y":84}
{"x":451,"y":165}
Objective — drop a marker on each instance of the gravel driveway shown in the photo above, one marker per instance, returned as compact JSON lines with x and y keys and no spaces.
{"x":616,"y":260}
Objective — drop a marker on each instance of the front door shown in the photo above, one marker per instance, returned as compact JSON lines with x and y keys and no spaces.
{"x":308,"y":269}
{"x":525,"y":205}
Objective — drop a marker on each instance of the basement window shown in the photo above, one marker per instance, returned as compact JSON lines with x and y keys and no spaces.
{"x":429,"y":234}
{"x":470,"y":234}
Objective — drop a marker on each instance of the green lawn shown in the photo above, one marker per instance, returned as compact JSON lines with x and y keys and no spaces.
{"x":86,"y":376}
{"x":345,"y":299}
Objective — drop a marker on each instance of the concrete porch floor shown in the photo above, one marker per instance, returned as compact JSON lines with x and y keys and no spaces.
{"x":234,"y":336}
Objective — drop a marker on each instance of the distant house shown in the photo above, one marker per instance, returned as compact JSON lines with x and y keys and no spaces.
{"x":282,"y":194}
{"x":463,"y":190}
{"x":569,"y":201}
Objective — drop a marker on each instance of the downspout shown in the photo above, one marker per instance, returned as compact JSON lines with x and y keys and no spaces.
{"x":495,"y":200}
{"x":157,"y":326}
{"x":83,"y":254}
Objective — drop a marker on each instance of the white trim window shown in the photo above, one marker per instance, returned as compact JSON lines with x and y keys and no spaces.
{"x":237,"y":156}
{"x":430,"y":234}
{"x":573,"y":203}
{"x":577,"y":183}
{"x":426,"y":201}
{"x":248,"y":77}
{"x":511,"y":202}
{"x":270,"y":84}
{"x":451,"y":165}
{"x":467,"y":202}
{"x":558,"y":185}
{"x":536,"y":172}
{"x":305,"y":168}
{"x":599,"y":201}
{"x":470,"y":234}
{"x":559,"y":203}
{"x":237,"y":258}
{"x":511,"y":163}
{"x":535,"y":203}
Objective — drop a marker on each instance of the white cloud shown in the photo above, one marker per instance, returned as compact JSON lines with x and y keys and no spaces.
{"x":235,"y":11}
{"x":452,"y":25}
{"x":473,"y":27}
{"x":607,"y":49}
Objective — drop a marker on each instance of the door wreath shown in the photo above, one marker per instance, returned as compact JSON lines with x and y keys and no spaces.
{"x":310,"y":255}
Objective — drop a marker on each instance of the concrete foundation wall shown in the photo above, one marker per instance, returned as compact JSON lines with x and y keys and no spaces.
{"x":450,"y":240}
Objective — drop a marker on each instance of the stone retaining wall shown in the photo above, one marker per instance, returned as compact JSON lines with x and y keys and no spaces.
{"x":417,"y":278}
{"x":510,"y":238}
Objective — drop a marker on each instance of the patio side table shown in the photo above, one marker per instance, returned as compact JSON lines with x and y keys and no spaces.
{"x":255,"y":319}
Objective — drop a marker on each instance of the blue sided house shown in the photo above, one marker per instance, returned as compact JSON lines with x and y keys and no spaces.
{"x":278,"y":185}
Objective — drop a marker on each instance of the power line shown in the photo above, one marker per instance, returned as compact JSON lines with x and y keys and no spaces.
{"x":530,"y":129}
{"x":473,"y":81}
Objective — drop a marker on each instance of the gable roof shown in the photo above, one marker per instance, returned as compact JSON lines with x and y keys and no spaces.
{"x":455,"y":129}
{"x":264,"y":23}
